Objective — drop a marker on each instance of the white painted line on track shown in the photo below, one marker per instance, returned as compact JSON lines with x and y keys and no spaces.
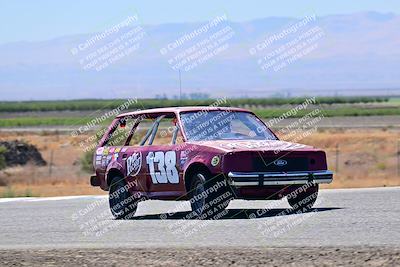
{"x":367,"y":189}
{"x":37,"y":199}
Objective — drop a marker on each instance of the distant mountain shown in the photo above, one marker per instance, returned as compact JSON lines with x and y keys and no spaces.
{"x":353,"y":52}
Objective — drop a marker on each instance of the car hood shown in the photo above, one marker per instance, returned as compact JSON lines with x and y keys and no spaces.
{"x":253,"y":145}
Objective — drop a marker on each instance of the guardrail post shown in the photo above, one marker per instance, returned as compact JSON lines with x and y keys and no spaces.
{"x":398,"y":157}
{"x":51,"y":163}
{"x":337,"y":157}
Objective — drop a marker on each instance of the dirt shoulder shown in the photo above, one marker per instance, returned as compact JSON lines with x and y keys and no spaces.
{"x":332,"y":256}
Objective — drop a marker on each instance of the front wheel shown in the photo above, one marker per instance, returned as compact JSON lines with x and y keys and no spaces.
{"x":208,"y":196}
{"x":303,"y":198}
{"x":123,"y":204}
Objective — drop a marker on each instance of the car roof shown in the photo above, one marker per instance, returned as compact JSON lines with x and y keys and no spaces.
{"x":177,"y":110}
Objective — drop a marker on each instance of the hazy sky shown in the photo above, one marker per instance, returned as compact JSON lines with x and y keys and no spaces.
{"x":46,"y":19}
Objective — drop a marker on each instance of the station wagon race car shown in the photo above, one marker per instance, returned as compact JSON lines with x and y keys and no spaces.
{"x":207,"y":155}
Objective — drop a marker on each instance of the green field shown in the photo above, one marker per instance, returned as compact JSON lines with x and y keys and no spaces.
{"x":263,"y":113}
{"x":97,"y":104}
{"x":263,"y":107}
{"x":43,"y":121}
{"x":343,"y":111}
{"x":394,"y":100}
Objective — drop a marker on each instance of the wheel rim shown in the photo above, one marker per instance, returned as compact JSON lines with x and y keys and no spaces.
{"x":116,"y":202}
{"x":200,"y":200}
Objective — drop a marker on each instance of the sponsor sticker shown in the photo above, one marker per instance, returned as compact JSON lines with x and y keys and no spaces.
{"x":184,"y":154}
{"x":183,"y":157}
{"x":115,"y":156}
{"x":182,"y":162}
{"x":99,"y":151}
{"x":105,"y":151}
{"x":104,"y":162}
{"x":134,"y":163}
{"x":215,"y":161}
{"x":265,"y":144}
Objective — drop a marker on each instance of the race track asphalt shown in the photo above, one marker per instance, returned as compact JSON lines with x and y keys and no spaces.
{"x":344,"y":220}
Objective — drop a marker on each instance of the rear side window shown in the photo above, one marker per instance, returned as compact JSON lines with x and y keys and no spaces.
{"x":121,"y":132}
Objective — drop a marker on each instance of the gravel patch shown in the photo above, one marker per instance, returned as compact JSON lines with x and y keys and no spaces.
{"x":318,"y":256}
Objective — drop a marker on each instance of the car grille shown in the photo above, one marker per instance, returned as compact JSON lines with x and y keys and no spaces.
{"x":268,"y":164}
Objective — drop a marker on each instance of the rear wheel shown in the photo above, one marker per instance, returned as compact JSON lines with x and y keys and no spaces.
{"x":123,"y":204}
{"x":208,"y":197}
{"x":303,"y":198}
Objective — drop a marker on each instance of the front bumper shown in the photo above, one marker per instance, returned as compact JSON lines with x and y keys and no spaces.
{"x":94,"y":180}
{"x":239,"y":179}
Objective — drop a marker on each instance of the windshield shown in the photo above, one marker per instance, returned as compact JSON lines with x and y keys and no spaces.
{"x":224,"y":125}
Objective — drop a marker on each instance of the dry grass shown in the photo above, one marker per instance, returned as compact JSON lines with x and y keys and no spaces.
{"x":367,"y":158}
{"x":49,"y":190}
{"x":64,"y":177}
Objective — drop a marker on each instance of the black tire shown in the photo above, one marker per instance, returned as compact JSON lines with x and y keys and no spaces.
{"x":303,"y":198}
{"x":123,"y":204}
{"x":208,"y":196}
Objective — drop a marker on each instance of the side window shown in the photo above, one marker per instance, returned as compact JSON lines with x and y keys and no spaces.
{"x":143,"y":127}
{"x":166,"y":132}
{"x":160,"y":131}
{"x":157,"y":131}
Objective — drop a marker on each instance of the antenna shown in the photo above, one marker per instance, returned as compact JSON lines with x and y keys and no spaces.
{"x":180,"y":88}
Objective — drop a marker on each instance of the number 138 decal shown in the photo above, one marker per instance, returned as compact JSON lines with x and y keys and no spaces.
{"x":166,"y":165}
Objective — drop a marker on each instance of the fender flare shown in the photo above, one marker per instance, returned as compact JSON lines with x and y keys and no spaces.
{"x":113,"y":167}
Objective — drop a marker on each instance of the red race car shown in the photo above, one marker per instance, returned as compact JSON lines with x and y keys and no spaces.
{"x":207,"y":155}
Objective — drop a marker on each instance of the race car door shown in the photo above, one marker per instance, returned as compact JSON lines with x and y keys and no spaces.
{"x":161,"y":152}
